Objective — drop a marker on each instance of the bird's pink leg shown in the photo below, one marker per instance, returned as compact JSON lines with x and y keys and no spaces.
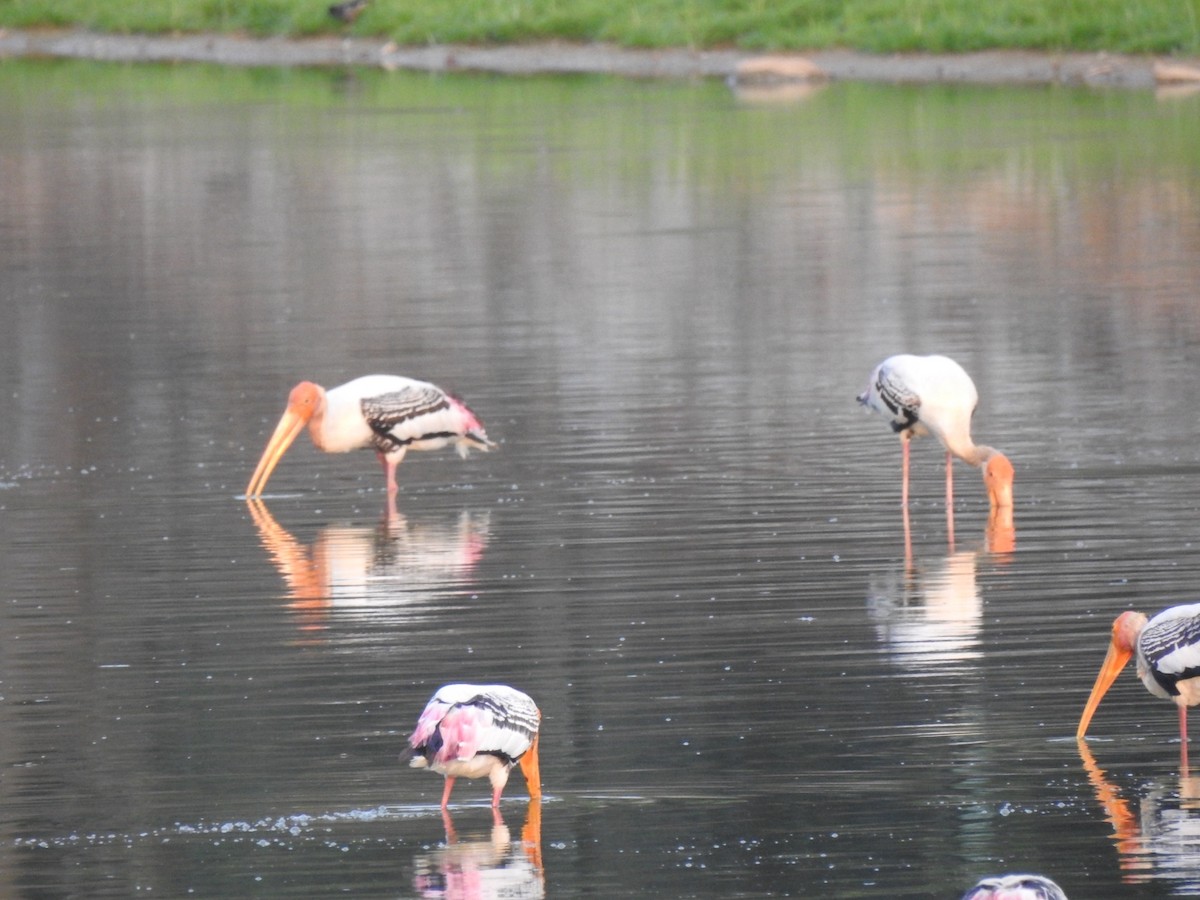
{"x":950,"y":499}
{"x":904,"y":442}
{"x":496,"y":797}
{"x":389,"y":471}
{"x":907,"y":540}
{"x":446,"y":792}
{"x":451,"y":834}
{"x":1183,"y":740}
{"x":949,"y":481}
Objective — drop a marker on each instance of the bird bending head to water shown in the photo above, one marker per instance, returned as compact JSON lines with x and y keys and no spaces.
{"x":387,"y":413}
{"x":1167,"y":649}
{"x":471,"y":730}
{"x":1016,"y":887}
{"x":922,"y":395}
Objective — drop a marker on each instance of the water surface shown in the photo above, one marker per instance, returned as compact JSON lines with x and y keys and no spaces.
{"x":662,"y":299}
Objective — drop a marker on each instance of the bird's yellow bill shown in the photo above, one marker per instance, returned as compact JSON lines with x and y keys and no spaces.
{"x":289,"y":426}
{"x":532,"y":771}
{"x":1114,"y":662}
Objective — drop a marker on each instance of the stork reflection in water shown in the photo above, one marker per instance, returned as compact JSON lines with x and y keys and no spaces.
{"x":485,"y":865}
{"x":378,"y":571}
{"x":1156,"y":833}
{"x":929,"y":611}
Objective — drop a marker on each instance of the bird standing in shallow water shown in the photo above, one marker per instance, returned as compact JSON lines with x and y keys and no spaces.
{"x":388,"y":413}
{"x":1016,"y":887}
{"x":1168,"y":661}
{"x":922,"y":395}
{"x":472,"y":730}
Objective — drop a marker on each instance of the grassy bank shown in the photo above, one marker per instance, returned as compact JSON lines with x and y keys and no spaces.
{"x":947,"y":26}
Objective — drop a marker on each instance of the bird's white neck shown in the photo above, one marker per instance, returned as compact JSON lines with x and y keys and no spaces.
{"x":975,"y":454}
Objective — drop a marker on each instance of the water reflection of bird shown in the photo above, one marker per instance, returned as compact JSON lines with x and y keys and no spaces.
{"x":1016,"y":887}
{"x":387,"y":413}
{"x":921,"y":395}
{"x":1168,"y":661}
{"x":485,"y":868}
{"x":349,"y":11}
{"x":932,"y":618}
{"x":373,"y":571}
{"x":470,"y":730}
{"x":1162,"y":839}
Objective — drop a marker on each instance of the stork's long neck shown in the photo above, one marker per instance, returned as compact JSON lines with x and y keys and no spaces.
{"x":316,"y":425}
{"x":975,"y":454}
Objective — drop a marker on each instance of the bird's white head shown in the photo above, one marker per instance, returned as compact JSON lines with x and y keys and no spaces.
{"x":998,"y":479}
{"x":306,"y":401}
{"x":1125,"y":632}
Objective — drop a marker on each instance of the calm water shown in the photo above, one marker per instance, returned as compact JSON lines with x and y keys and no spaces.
{"x":662,"y":299}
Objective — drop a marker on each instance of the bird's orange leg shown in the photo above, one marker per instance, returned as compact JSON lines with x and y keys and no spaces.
{"x":446,"y":792}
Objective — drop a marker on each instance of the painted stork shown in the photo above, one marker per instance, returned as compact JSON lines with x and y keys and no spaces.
{"x":1168,"y":661}
{"x":387,"y":413}
{"x":473,"y":730}
{"x":922,"y":395}
{"x":1016,"y":887}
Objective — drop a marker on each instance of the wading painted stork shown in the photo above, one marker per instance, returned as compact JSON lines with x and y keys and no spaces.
{"x":1016,"y":887}
{"x":473,"y":730}
{"x":921,"y":395}
{"x":1168,"y":661}
{"x":387,"y":413}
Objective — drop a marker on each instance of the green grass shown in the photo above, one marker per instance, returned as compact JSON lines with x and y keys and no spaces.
{"x":1123,"y":26}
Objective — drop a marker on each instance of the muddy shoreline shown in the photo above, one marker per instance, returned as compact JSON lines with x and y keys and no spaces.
{"x":991,"y":67}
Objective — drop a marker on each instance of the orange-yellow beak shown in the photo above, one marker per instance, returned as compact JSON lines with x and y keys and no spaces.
{"x":285,"y":432}
{"x":531,"y":769}
{"x":1114,"y":662}
{"x":998,"y":476}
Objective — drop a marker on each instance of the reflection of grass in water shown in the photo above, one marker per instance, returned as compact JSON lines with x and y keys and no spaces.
{"x":1149,"y":26}
{"x":857,"y":130}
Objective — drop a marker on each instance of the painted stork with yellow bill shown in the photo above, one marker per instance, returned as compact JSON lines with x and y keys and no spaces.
{"x":389,"y":414}
{"x":933,"y":395}
{"x":1167,"y":651}
{"x":473,"y":731}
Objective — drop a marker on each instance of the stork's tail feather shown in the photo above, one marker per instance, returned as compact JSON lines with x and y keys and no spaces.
{"x":474,"y":439}
{"x":480,"y":440}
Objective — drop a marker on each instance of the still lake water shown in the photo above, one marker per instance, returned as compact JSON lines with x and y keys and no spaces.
{"x":662,"y":299}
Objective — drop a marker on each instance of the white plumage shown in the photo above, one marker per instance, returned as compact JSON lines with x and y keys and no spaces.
{"x":1016,"y":887}
{"x":933,"y":395}
{"x":472,"y":731}
{"x":390,"y":414}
